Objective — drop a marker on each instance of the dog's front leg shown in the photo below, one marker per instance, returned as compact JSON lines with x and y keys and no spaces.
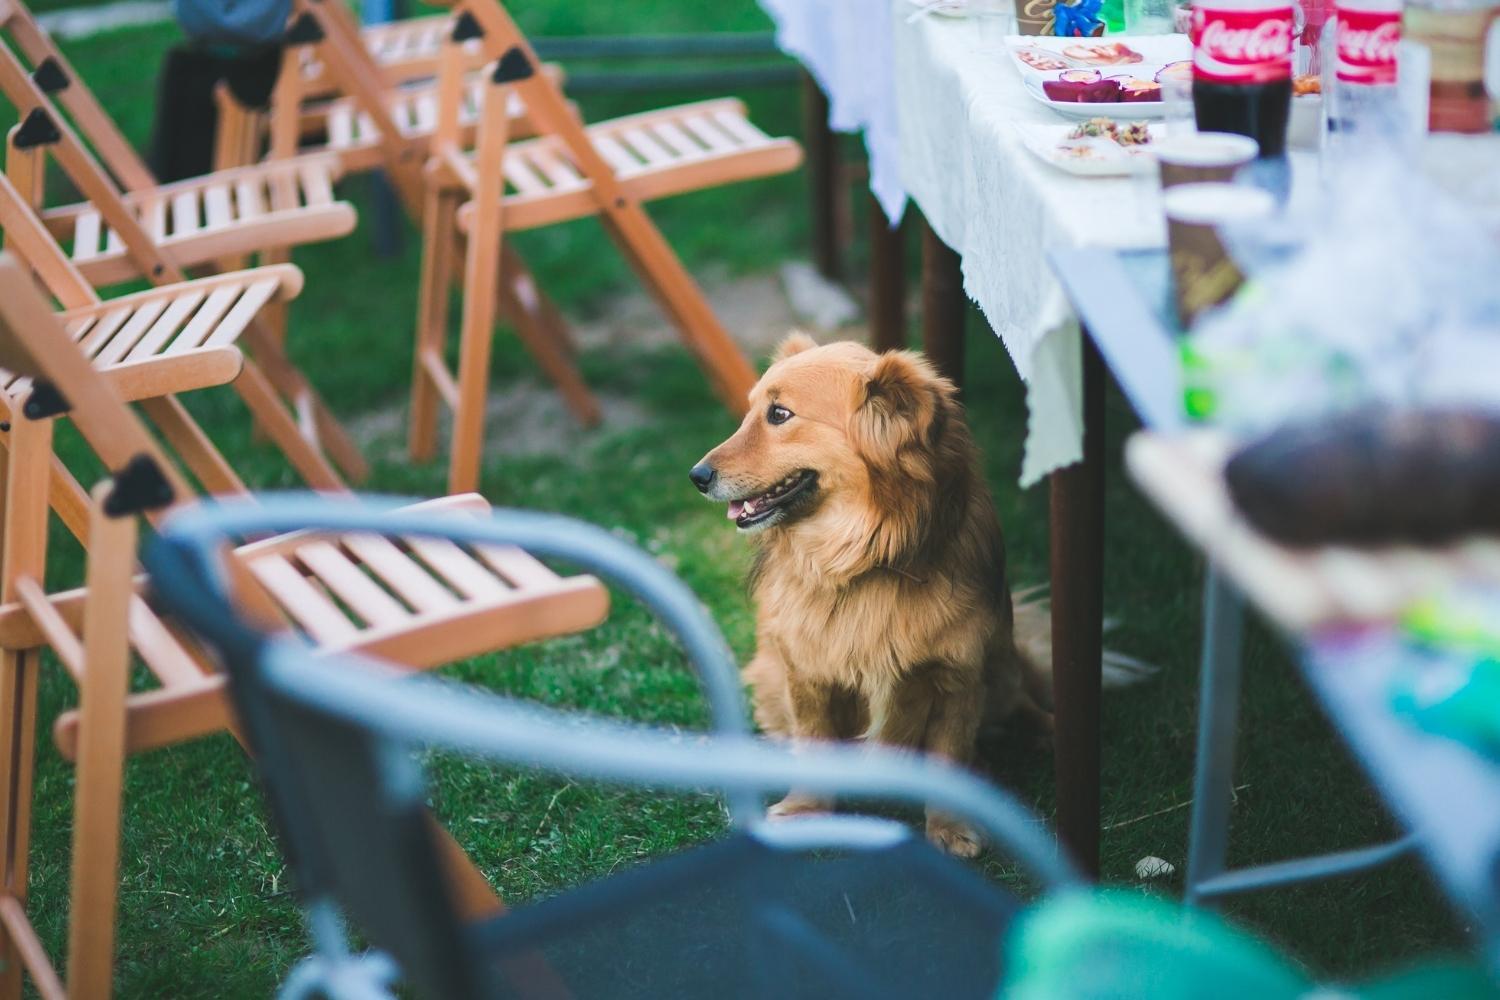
{"x":819,"y":711}
{"x":937,"y":708}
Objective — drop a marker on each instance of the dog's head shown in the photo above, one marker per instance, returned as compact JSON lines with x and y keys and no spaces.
{"x":833,"y":432}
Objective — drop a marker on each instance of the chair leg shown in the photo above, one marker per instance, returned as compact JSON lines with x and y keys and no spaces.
{"x":476,"y":333}
{"x":269,"y":411}
{"x":522,"y":300}
{"x":197,"y":452}
{"x":272,"y":316}
{"x":658,"y":266}
{"x":18,"y":679}
{"x":1218,"y":720}
{"x":101,"y":756}
{"x":68,"y":498}
{"x":27,"y":472}
{"x":294,"y":387}
{"x":440,"y":249}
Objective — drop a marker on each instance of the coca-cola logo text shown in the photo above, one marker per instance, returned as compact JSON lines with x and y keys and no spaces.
{"x":1242,"y":46}
{"x":1367,"y":46}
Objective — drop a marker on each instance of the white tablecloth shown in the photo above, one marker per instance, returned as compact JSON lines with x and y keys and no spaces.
{"x":846,"y":46}
{"x":1001,"y":208}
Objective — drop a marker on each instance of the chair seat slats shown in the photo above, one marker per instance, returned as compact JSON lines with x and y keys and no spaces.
{"x":162,"y":330}
{"x":521,"y":176}
{"x":257,"y":295}
{"x":647,"y":148}
{"x":560,"y":173}
{"x":86,"y":236}
{"x":460,"y":570}
{"x":519,"y":567}
{"x":341,"y":125}
{"x":303,"y":601}
{"x":616,"y":155}
{"x":125,"y":338}
{"x":394,"y":568}
{"x":154,"y":218}
{"x":184,"y":212}
{"x":702,"y":129}
{"x":217,"y":207}
{"x":679,"y":142}
{"x":740,"y":128}
{"x":248,"y":199}
{"x":317,"y":187}
{"x":352,"y":586}
{"x":204,"y":321}
{"x":104,"y":329}
{"x":159,"y":648}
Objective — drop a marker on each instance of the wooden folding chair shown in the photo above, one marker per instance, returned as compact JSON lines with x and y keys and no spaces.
{"x":377,"y":124}
{"x":418,"y":604}
{"x":129,"y":225}
{"x":568,"y":172}
{"x":162,"y":328}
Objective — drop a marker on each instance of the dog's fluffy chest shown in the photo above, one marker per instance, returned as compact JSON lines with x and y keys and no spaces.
{"x":865,"y":633}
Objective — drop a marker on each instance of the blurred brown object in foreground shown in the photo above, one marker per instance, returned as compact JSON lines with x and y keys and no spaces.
{"x":1373,"y":476}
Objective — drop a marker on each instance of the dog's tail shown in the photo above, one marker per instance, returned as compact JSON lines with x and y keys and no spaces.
{"x":1033,"y":631}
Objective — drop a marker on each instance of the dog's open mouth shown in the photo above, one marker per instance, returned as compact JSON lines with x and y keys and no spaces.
{"x":763,"y":507}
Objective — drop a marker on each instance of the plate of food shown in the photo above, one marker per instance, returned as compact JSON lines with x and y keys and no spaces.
{"x":1099,"y":147}
{"x":1120,"y":78}
{"x":940,"y":8}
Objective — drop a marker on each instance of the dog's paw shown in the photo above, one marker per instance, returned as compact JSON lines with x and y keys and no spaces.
{"x":953,"y":837}
{"x":799,"y":805}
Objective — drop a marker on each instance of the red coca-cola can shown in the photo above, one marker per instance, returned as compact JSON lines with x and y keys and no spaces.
{"x":1366,"y":37}
{"x":1242,"y":69}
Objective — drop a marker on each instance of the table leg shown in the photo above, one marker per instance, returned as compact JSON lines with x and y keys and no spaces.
{"x":944,"y":306}
{"x":1218,"y":722}
{"x":887,"y":281}
{"x":1077,"y":624}
{"x":823,"y":179}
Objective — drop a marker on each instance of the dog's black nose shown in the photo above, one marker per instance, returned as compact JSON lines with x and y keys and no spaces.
{"x":703,"y":476}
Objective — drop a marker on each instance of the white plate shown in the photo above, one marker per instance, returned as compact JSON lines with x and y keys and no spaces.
{"x":939,"y":8}
{"x":1120,"y":111}
{"x":1154,"y":52}
{"x":1144,"y":57}
{"x":1104,"y":157}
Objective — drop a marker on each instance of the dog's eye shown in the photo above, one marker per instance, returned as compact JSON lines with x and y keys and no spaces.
{"x":778,"y":414}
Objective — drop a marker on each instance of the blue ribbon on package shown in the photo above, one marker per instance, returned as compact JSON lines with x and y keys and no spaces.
{"x":1079,"y":19}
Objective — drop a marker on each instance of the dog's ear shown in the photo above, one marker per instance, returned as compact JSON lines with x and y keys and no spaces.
{"x":793,"y":343}
{"x":905,"y":400}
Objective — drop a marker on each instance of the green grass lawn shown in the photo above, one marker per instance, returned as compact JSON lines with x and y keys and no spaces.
{"x":206,"y":908}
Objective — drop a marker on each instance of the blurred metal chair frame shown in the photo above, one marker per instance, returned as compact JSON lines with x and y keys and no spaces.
{"x":567,"y":172}
{"x":372,"y":720}
{"x":129,"y":225}
{"x":416,"y":604}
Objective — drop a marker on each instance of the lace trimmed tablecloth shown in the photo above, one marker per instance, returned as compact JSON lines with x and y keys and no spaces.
{"x":846,"y":46}
{"x":958,"y":98}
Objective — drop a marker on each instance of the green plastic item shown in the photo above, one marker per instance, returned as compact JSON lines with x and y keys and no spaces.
{"x":1456,"y":620}
{"x":1113,"y":16}
{"x":1460,"y":702}
{"x":1122,"y":945}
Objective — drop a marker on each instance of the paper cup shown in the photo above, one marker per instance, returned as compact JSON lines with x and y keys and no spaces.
{"x":1203,"y":275}
{"x":1200,"y":157}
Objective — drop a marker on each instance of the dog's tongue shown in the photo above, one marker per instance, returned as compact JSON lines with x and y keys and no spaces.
{"x":736,"y":508}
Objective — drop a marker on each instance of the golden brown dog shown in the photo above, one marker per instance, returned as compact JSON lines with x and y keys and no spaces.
{"x":882,"y":603}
